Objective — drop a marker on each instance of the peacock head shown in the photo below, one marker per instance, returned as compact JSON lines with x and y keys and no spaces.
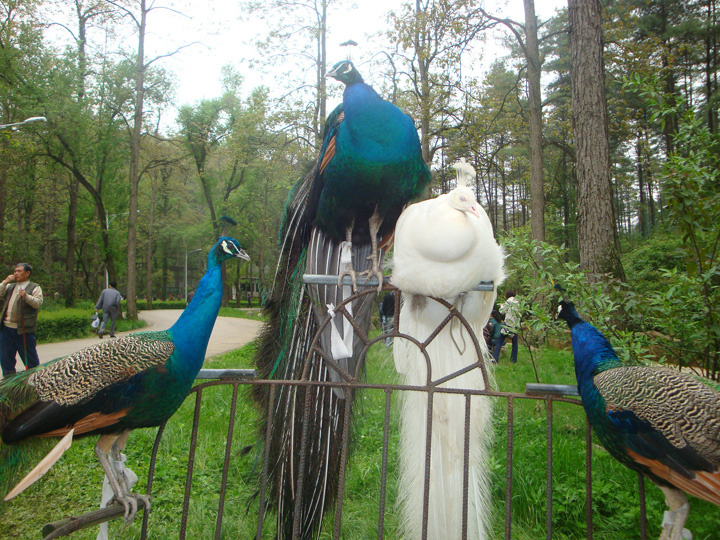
{"x":463,"y":199}
{"x":566,"y":311}
{"x":226,"y":248}
{"x":345,"y":72}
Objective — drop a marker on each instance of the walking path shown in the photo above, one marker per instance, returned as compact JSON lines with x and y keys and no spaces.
{"x":228,"y":334}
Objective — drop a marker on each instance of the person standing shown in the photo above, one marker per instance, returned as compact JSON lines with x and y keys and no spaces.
{"x":21,"y":301}
{"x":511,"y":322}
{"x":109,"y":302}
{"x":495,"y":334}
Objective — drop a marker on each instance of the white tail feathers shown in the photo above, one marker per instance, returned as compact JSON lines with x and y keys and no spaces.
{"x":44,"y":466}
{"x":465,"y":173}
{"x":450,"y":351}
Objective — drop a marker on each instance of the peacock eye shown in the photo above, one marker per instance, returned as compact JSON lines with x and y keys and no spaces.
{"x":462,"y":198}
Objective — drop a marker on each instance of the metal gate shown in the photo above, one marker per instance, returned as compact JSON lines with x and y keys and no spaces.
{"x":240,"y":381}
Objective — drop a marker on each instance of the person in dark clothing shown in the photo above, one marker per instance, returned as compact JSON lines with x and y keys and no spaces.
{"x":511,"y":320}
{"x":21,"y":301}
{"x":495,"y":334}
{"x":109,"y":303}
{"x":387,"y":315}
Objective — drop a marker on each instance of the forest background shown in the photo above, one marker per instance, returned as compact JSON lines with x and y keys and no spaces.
{"x":108,"y":184}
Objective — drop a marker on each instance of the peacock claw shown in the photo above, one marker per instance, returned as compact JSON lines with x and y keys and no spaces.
{"x":353,"y":276}
{"x":130,"y":502}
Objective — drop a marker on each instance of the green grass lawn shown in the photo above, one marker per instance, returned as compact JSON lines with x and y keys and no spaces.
{"x":73,"y":485}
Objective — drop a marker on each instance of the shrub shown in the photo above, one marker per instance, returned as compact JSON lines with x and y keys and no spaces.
{"x":59,"y":325}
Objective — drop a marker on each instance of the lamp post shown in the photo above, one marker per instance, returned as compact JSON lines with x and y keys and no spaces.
{"x":26,"y":121}
{"x":186,"y":259}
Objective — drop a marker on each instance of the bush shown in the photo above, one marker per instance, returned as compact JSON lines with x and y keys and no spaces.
{"x":59,"y":325}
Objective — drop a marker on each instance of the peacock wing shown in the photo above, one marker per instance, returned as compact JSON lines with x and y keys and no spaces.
{"x":57,"y":394}
{"x":80,"y":376}
{"x":669,"y":423}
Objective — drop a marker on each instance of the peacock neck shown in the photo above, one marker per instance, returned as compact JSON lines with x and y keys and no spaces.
{"x":592,"y":352}
{"x":191,"y":332}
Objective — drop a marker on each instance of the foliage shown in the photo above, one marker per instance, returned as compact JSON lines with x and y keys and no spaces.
{"x":691,"y":184}
{"x":74,"y":323}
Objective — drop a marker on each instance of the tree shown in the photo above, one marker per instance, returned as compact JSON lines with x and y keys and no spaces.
{"x":531,"y":50}
{"x":433,"y":36}
{"x":598,"y":242}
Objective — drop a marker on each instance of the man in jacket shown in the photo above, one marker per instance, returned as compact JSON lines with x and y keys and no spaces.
{"x":109,"y":302}
{"x":21,"y":299}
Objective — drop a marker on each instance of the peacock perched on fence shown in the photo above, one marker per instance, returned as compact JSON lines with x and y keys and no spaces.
{"x":444,"y":247}
{"x":658,"y":421}
{"x":113,"y":387}
{"x":370,"y":165}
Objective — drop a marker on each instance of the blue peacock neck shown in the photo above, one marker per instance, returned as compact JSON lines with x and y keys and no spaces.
{"x":191,"y":332}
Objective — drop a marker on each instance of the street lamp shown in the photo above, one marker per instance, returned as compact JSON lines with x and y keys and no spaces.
{"x":186,"y":257}
{"x":26,"y":121}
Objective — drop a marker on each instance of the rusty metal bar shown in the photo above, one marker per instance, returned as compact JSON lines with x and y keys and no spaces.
{"x":549,"y":480}
{"x":428,"y":455}
{"x":191,"y":465}
{"x":384,"y":467}
{"x":508,"y":467}
{"x":226,"y":462}
{"x":151,"y":476}
{"x":266,"y":463}
{"x":466,"y":468}
{"x":297,"y":514}
{"x":343,"y":464}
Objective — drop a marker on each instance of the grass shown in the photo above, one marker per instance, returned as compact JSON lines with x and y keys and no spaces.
{"x":73,"y":485}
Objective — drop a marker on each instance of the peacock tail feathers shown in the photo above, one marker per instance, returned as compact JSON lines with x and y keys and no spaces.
{"x":450,"y":351}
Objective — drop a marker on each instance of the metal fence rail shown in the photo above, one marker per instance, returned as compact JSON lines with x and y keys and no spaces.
{"x":549,"y":395}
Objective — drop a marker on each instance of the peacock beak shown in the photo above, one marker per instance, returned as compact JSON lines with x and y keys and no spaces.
{"x":475,"y":211}
{"x":242,"y":255}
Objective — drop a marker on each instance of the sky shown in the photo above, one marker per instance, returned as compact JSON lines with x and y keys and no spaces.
{"x":225,"y":35}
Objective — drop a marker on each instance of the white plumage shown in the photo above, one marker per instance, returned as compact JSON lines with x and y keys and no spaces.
{"x":444,"y":247}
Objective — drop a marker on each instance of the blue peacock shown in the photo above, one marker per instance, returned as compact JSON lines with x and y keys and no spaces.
{"x":369,"y":167}
{"x":658,"y":421}
{"x":116,"y":386}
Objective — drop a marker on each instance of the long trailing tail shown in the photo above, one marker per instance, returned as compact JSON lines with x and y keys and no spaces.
{"x":309,"y":416}
{"x":451,"y":350}
{"x":17,"y":459}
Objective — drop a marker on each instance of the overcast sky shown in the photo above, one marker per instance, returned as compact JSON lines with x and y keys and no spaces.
{"x":225,"y":36}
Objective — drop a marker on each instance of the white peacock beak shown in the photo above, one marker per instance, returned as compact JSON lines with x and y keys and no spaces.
{"x":474,"y":210}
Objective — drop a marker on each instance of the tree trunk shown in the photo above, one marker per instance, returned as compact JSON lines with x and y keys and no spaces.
{"x":420,"y":46}
{"x":537,"y":193}
{"x":135,"y":168}
{"x":149,"y":265}
{"x":597,"y":236}
{"x":4,"y":145}
{"x":70,"y":250}
{"x":321,"y":70}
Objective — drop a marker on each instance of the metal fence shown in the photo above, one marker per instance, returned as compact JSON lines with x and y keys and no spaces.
{"x":547,"y":395}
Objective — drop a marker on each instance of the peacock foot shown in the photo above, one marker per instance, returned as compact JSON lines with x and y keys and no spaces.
{"x":377,"y":272}
{"x":130,"y":502}
{"x":353,"y":276}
